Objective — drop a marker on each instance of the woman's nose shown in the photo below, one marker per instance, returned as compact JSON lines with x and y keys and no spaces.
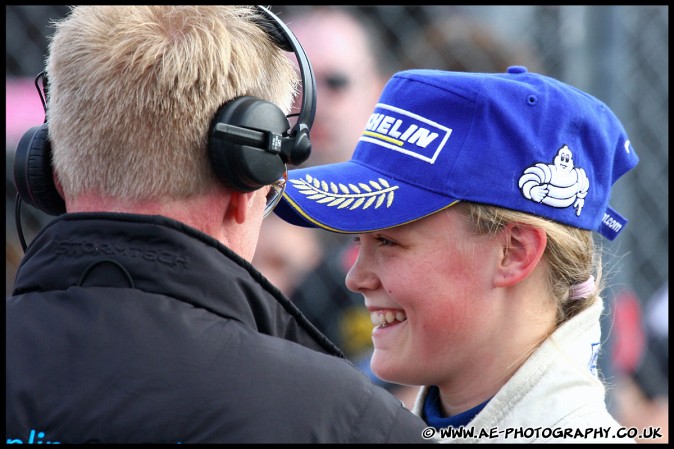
{"x":362,"y":276}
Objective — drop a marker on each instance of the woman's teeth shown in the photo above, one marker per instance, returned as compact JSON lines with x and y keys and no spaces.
{"x":383,"y":319}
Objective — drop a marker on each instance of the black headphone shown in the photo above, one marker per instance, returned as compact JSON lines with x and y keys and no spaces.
{"x":249,"y":139}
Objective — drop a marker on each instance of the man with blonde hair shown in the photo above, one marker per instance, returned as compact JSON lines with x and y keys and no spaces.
{"x":136,"y":315}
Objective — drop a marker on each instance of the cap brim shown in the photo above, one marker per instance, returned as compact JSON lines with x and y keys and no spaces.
{"x":349,"y":197}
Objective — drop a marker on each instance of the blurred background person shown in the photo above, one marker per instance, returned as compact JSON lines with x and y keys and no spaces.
{"x":640,"y":361}
{"x":346,"y":54}
{"x":285,"y":256}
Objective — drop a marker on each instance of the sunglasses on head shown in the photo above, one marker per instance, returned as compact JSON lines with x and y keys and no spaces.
{"x":275,"y":193}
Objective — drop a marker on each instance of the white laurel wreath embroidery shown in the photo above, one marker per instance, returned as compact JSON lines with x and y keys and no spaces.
{"x":342,"y":196}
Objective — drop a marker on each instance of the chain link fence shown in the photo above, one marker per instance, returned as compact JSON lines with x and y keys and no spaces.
{"x":617,"y":53}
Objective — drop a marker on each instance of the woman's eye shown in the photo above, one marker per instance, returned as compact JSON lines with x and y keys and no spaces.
{"x":383,"y":241}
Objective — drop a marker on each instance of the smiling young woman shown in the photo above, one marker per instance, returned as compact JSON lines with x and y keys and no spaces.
{"x":474,"y":198}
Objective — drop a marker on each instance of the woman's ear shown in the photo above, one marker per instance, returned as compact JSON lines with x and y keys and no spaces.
{"x":523,"y":247}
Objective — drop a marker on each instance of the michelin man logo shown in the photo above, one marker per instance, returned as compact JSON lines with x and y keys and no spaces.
{"x":558,"y":185}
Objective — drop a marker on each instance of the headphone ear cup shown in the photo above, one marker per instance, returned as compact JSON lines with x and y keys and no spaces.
{"x":301,"y":149}
{"x":33,"y":176}
{"x":246,"y":166}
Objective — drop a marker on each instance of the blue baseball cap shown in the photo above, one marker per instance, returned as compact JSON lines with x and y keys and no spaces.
{"x":517,"y":140}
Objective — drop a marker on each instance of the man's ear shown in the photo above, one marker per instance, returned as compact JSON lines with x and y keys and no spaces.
{"x":239,"y":205}
{"x":523,"y":247}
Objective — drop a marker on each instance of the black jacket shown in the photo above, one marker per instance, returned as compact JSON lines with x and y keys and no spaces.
{"x":130,"y":328}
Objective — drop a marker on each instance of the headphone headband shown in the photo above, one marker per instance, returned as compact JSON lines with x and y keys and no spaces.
{"x":296,"y":146}
{"x":287,"y":40}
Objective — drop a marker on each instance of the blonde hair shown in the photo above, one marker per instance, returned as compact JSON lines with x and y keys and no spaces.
{"x":570,"y":252}
{"x":133,"y":89}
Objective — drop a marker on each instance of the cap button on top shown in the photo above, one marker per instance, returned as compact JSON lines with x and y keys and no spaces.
{"x":517,"y":69}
